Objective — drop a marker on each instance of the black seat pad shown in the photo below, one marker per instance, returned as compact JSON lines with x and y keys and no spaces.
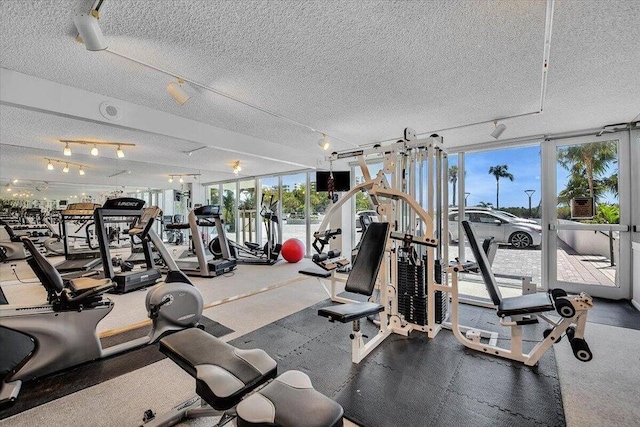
{"x":315,"y":273}
{"x":525,"y":304}
{"x":193,"y":347}
{"x":348,"y":312}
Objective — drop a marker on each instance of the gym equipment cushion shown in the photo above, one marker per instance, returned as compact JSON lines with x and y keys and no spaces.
{"x":223,"y":373}
{"x":289,"y":401}
{"x":348,"y":312}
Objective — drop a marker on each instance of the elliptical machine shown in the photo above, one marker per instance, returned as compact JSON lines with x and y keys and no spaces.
{"x":64,"y":329}
{"x":255,"y":253}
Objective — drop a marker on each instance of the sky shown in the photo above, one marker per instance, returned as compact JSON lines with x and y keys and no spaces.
{"x":524,"y":164}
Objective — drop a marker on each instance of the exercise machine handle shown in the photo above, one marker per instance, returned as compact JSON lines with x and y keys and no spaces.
{"x":409,"y":239}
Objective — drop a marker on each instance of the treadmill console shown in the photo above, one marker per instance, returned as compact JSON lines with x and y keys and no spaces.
{"x":207,"y":211}
{"x":124,"y":203}
{"x":141,"y":225}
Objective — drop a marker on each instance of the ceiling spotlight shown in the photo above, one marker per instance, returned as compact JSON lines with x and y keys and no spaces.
{"x":94,"y":150}
{"x":171,"y":178}
{"x":324,"y":142}
{"x":236,"y":167}
{"x":177,"y":92}
{"x":181,"y":180}
{"x":81,"y":171}
{"x":498,"y":130}
{"x":90,"y":32}
{"x":67,"y":150}
{"x":9,"y":189}
{"x":119,"y":152}
{"x":15,"y":181}
{"x":50,"y":165}
{"x":65,"y":169}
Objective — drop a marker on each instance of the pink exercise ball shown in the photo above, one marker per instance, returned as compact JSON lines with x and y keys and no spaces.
{"x":293,"y":250}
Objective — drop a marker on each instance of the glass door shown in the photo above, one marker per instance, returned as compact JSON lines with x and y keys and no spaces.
{"x":587,"y":214}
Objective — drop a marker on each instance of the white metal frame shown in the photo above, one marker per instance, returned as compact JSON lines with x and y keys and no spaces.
{"x":472,"y":337}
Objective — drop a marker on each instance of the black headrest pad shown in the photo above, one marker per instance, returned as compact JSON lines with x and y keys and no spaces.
{"x":362,"y":278}
{"x":483,"y":263}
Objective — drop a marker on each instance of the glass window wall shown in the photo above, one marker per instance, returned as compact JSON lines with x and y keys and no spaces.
{"x":229,"y":209}
{"x":294,"y":208}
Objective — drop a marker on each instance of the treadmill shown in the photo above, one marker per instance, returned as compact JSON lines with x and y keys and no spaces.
{"x":124,"y":210}
{"x":202,"y":264}
{"x":78,"y":259}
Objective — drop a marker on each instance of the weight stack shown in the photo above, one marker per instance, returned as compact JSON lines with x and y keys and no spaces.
{"x":412,"y":297}
{"x":413,"y":308}
{"x":411,"y":279}
{"x":441,"y":303}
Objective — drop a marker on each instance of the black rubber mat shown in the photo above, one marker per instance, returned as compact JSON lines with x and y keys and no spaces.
{"x":43,"y":390}
{"x":414,"y":381}
{"x":614,"y":313}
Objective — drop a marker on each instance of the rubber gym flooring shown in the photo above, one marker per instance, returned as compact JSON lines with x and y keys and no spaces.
{"x":43,"y":390}
{"x":413,"y":380}
{"x":619,"y":313}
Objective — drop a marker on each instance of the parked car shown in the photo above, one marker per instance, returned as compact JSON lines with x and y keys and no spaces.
{"x":502,"y":228}
{"x":373,"y":216}
{"x":517,"y":218}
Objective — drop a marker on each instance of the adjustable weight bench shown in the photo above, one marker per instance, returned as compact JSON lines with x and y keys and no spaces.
{"x":518,"y":311}
{"x":362,"y":280}
{"x":228,"y":377}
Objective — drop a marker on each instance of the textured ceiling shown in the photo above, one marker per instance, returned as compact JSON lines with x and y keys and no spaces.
{"x":362,"y":71}
{"x":28,"y":137}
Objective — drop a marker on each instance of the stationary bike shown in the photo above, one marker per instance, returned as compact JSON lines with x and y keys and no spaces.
{"x":64,"y":329}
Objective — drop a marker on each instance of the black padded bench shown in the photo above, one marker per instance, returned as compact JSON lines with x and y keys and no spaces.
{"x":225,"y":375}
{"x":362,"y":278}
{"x":510,"y":306}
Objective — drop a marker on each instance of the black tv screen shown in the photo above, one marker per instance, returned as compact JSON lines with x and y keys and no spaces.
{"x":62,"y":203}
{"x":342,"y":180}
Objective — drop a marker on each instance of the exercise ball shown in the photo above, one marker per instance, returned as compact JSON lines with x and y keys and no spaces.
{"x":293,"y":250}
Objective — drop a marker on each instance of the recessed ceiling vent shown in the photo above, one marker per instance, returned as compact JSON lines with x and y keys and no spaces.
{"x":110,"y":111}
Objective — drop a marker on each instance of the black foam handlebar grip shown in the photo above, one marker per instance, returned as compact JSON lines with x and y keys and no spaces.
{"x":334,"y":253}
{"x":320,"y":257}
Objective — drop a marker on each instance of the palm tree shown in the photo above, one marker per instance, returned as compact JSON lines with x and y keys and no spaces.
{"x":500,"y":171}
{"x":588,"y":160}
{"x":453,"y":178}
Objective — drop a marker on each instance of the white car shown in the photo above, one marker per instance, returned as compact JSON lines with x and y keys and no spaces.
{"x":373,"y":216}
{"x":503,"y":229}
{"x":517,"y":218}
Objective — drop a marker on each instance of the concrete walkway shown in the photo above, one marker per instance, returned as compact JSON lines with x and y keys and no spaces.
{"x":572,"y":267}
